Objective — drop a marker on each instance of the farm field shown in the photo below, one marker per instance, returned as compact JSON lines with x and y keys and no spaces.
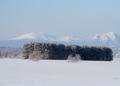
{"x":18,"y":72}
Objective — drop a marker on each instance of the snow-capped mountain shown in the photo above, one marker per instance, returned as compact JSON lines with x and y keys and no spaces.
{"x":109,"y":38}
{"x":105,"y":39}
{"x":39,"y":35}
{"x":70,"y":38}
{"x":43,"y":36}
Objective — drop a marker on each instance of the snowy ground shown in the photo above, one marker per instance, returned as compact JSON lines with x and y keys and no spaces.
{"x":18,"y":72}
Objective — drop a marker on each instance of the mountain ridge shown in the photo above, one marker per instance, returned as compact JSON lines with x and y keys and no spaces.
{"x":104,"y":39}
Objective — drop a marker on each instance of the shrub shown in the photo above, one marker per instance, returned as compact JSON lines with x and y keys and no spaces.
{"x":72,"y":58}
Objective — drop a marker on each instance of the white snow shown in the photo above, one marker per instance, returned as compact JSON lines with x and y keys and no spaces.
{"x":18,"y":72}
{"x":43,"y":36}
{"x":26,"y":36}
{"x":94,"y":37}
{"x":112,"y":36}
{"x":40,"y":35}
{"x":70,"y":38}
{"x":37,"y":35}
{"x":103,"y":38}
{"x":108,"y":38}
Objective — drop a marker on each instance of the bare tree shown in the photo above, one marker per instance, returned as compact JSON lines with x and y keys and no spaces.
{"x":35,"y":55}
{"x":75,"y":58}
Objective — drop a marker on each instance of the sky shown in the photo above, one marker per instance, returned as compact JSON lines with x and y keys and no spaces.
{"x":80,"y":18}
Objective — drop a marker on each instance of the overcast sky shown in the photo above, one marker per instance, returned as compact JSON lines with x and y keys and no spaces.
{"x":80,"y":18}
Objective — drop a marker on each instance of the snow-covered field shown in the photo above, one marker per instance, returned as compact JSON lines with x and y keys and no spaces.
{"x":18,"y":72}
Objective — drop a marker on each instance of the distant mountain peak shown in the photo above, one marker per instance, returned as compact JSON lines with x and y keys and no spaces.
{"x":35,"y":35}
{"x":70,"y":38}
{"x":106,"y":39}
{"x":43,"y":36}
{"x":112,"y":35}
{"x":93,"y":37}
{"x":32,"y":35}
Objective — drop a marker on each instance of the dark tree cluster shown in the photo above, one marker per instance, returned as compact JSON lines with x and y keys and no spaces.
{"x":56,"y":51}
{"x":44,"y":51}
{"x":91,"y":53}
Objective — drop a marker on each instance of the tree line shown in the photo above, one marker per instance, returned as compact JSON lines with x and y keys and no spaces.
{"x":37,"y":50}
{"x":10,"y":52}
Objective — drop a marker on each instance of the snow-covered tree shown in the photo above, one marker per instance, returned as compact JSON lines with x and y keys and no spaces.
{"x":62,"y":52}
